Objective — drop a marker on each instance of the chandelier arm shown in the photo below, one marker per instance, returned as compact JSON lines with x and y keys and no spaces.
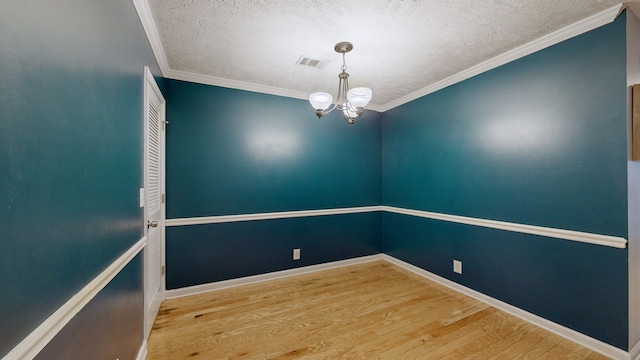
{"x":330,"y":110}
{"x":347,"y":108}
{"x":337,"y":104}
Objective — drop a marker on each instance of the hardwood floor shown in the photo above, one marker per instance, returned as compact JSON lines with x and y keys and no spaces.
{"x":368,"y":311}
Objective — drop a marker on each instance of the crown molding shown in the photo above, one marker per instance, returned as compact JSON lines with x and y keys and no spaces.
{"x":234,"y":84}
{"x":241,"y":85}
{"x":150,"y":28}
{"x":553,"y":38}
{"x":580,"y":27}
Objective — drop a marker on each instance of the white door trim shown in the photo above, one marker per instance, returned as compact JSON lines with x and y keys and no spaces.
{"x":153,"y":266}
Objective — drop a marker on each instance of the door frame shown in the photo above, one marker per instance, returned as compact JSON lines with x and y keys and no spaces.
{"x":151,"y":306}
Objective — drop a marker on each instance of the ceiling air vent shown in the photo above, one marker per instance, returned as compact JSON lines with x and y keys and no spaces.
{"x":307,"y":61}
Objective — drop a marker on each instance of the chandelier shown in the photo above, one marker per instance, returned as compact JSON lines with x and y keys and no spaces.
{"x":350,"y":101}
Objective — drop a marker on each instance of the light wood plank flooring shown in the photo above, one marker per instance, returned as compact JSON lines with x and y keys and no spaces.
{"x":368,"y":311}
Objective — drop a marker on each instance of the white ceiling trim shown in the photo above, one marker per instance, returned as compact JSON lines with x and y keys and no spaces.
{"x":234,"y":84}
{"x":580,"y":27}
{"x":150,"y":28}
{"x":241,"y":85}
{"x":558,"y":36}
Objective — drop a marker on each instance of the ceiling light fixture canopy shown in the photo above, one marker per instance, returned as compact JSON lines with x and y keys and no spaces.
{"x":350,"y":101}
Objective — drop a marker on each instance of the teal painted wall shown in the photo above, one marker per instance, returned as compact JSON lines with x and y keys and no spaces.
{"x":237,"y":152}
{"x":71,"y":156}
{"x":539,"y":141}
{"x":104,"y":328}
{"x":201,"y":254}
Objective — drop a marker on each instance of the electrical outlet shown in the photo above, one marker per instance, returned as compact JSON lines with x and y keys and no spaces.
{"x":457,"y":266}
{"x":296,"y":254}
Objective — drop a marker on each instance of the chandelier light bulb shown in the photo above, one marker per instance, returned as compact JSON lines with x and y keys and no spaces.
{"x":320,"y":100}
{"x":359,"y":97}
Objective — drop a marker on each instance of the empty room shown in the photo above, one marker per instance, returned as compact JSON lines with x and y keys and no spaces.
{"x":320,"y":180}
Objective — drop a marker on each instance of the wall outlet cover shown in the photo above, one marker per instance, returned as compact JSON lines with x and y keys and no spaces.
{"x":296,"y":254}
{"x":457,"y":266}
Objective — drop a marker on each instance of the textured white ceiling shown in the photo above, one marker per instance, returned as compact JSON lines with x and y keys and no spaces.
{"x":400,"y":47}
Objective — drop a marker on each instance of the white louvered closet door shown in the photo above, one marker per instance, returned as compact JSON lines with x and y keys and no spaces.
{"x":154,"y":201}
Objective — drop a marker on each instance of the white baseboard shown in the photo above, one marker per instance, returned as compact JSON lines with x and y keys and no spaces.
{"x":36,"y":341}
{"x":572,"y":335}
{"x":634,"y":353}
{"x":579,"y":338}
{"x":567,"y":333}
{"x":142,"y":354}
{"x":219,"y":285}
